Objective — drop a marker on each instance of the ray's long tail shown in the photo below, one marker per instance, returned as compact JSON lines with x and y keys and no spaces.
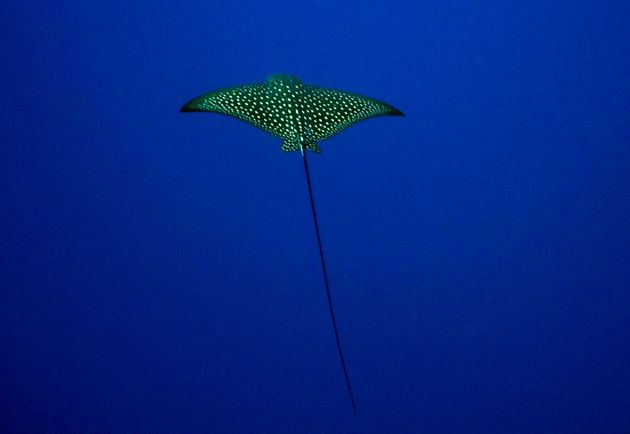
{"x":328,"y":293}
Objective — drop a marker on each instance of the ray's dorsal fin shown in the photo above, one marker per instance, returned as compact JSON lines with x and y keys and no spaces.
{"x":295,"y":143}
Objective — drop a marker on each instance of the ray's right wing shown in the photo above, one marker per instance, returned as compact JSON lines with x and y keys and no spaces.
{"x":329,"y":111}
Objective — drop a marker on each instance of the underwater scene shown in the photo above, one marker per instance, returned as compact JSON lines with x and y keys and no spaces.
{"x":315,"y":217}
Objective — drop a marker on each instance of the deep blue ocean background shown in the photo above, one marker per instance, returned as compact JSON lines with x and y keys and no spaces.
{"x":159,"y":271}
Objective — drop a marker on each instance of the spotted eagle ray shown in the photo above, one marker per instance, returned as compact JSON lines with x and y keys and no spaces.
{"x":301,"y":115}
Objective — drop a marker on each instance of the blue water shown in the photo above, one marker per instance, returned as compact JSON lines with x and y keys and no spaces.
{"x":159,"y":271}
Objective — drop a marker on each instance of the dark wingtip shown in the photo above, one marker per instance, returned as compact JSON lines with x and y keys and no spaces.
{"x":191,"y":106}
{"x":396,"y":112}
{"x":186,"y":108}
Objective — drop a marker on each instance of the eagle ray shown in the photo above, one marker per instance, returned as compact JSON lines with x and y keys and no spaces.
{"x":301,"y":115}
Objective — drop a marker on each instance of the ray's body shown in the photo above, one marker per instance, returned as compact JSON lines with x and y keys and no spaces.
{"x":301,"y":115}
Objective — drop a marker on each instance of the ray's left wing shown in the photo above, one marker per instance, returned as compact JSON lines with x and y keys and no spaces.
{"x":252,"y":103}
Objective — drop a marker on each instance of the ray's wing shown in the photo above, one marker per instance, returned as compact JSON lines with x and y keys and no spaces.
{"x":252,"y":103}
{"x":329,"y":111}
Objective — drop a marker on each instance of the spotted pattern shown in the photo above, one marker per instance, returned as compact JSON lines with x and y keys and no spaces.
{"x":300,"y":114}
